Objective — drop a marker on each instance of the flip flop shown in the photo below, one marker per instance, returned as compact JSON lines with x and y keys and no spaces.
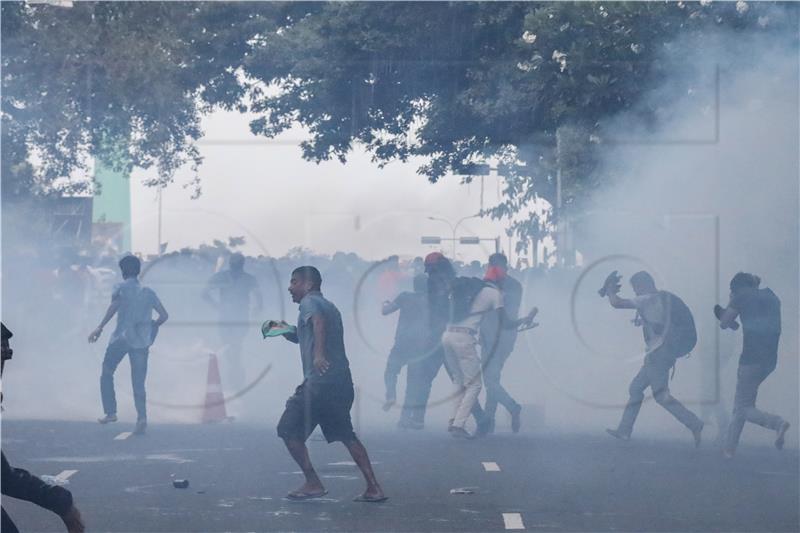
{"x":370,"y":499}
{"x":301,"y":496}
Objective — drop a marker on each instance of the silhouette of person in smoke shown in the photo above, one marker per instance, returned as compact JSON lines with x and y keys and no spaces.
{"x":653,"y":314}
{"x":760,"y":310}
{"x":235,"y":289}
{"x":497,"y":343}
{"x":410,"y":337}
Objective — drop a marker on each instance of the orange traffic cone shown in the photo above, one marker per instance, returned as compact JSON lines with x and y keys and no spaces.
{"x":214,"y":410}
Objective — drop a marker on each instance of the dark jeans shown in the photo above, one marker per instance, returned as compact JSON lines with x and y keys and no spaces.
{"x":115,"y":352}
{"x":420,"y":376}
{"x":495,"y":392}
{"x":398,"y":358}
{"x":749,"y":378}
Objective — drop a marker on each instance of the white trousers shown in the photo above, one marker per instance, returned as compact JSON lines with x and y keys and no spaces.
{"x":461,"y":357}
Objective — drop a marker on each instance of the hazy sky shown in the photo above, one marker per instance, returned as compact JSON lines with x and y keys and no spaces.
{"x":268,"y":193}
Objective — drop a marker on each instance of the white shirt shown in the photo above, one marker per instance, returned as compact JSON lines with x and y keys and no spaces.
{"x":488,"y":299}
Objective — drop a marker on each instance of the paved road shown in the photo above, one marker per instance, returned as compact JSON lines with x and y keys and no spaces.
{"x":238,"y":475}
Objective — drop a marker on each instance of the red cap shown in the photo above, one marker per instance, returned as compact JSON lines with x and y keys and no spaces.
{"x":495,"y":273}
{"x":433,"y":258}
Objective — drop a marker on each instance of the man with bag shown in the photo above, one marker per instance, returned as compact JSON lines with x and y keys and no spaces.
{"x":471,"y":299}
{"x":760,"y":310}
{"x":669,"y":333}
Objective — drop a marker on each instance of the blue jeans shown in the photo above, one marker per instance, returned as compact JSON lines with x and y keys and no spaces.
{"x":655,"y":374}
{"x":495,"y":392}
{"x":115,"y":352}
{"x":749,"y":378}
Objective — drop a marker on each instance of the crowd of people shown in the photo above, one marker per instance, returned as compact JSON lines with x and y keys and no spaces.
{"x":463,"y":318}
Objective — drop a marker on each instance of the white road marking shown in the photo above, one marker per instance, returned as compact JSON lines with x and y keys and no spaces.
{"x":124,"y":435}
{"x":513,"y":521}
{"x":491,"y":467}
{"x":65,"y":475}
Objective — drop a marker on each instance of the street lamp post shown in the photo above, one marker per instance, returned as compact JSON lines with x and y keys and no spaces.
{"x":454,"y":228}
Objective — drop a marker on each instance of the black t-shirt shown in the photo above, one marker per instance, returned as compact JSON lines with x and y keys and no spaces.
{"x":760,"y":311}
{"x":438,"y":308}
{"x":412,"y":324}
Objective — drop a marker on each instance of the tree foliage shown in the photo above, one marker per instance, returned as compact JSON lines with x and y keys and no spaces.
{"x":126,"y":82}
{"x":526,"y":83}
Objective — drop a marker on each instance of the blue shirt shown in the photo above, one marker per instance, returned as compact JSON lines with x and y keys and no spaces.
{"x":134,"y":314}
{"x":312,"y":304}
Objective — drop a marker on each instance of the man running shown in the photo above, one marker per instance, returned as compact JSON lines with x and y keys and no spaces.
{"x":423,"y":370}
{"x":471,"y":300}
{"x":760,"y":310}
{"x":498,"y":343}
{"x":653,"y":313}
{"x":135,"y":332}
{"x":326,"y":394}
{"x":410,"y":339}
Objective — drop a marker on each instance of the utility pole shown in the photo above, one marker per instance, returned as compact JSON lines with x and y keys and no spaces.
{"x":160,"y":189}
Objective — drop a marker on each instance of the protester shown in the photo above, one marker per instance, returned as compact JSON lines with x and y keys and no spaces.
{"x":410,"y":336}
{"x":760,"y":311}
{"x":135,"y":332}
{"x":668,"y":329}
{"x":326,"y":394}
{"x":423,"y":370}
{"x":471,"y":300}
{"x":238,"y":291}
{"x":21,"y":484}
{"x":497,"y":343}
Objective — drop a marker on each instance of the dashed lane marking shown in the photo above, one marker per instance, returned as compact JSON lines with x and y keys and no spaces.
{"x":513,"y":521}
{"x":65,"y":475}
{"x":491,"y":467}
{"x":124,"y":435}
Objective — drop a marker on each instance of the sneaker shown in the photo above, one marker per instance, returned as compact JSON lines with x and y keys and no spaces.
{"x":460,"y":433}
{"x":617,"y":434}
{"x":108,"y":418}
{"x":516,"y":421}
{"x":141,"y":427}
{"x":450,"y":424}
{"x":697,"y":434}
{"x":781,"y":431}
